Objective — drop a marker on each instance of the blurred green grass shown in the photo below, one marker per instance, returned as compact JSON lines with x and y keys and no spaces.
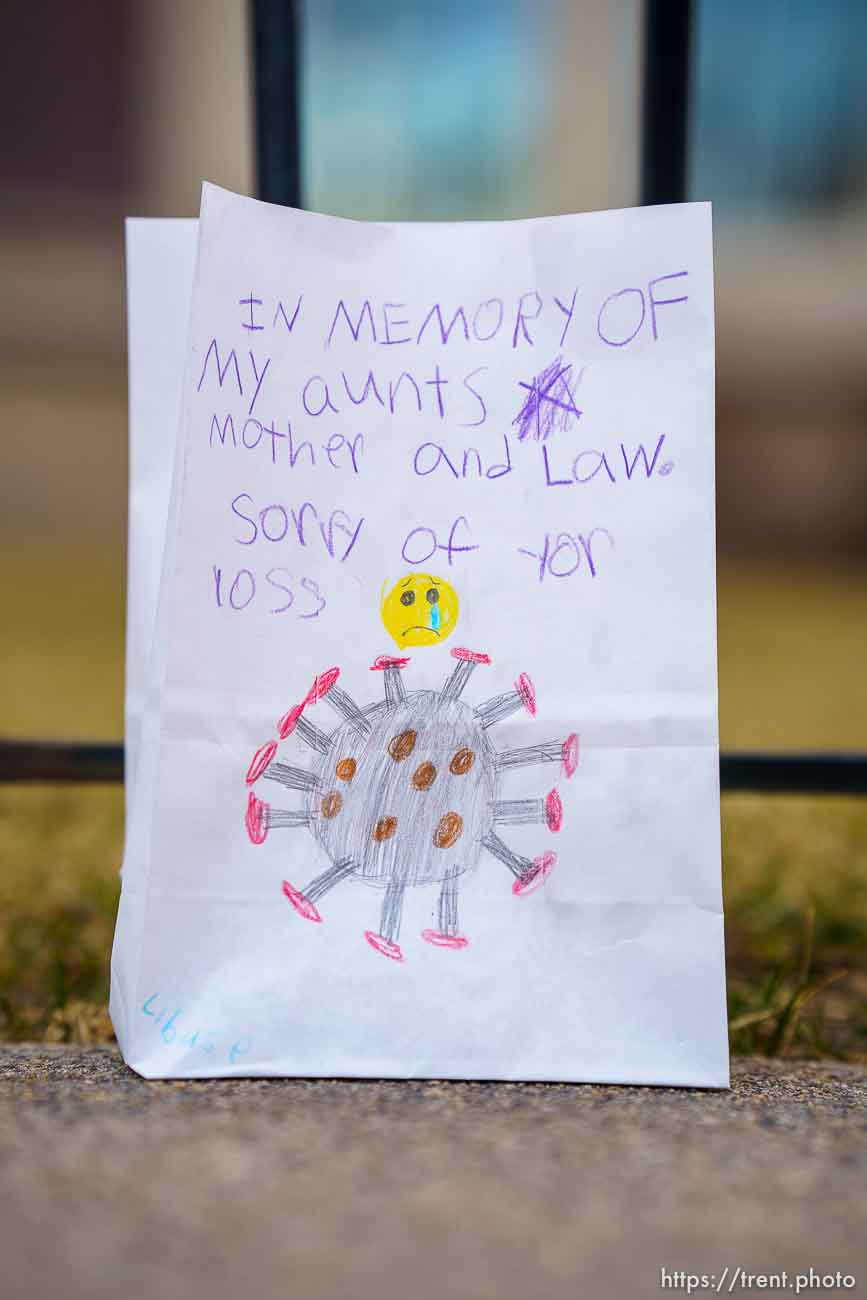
{"x":792,"y":650}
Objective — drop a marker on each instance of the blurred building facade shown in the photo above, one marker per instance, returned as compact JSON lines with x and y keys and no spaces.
{"x":416,"y":110}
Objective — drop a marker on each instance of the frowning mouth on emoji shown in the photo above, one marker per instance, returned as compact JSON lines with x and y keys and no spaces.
{"x":418,"y":627}
{"x":420,"y":609}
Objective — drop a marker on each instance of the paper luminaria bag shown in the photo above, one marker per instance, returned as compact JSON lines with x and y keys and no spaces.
{"x":422,"y":708}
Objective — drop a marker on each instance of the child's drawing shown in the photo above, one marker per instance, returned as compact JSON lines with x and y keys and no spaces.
{"x":407,"y":791}
{"x":420,"y":610}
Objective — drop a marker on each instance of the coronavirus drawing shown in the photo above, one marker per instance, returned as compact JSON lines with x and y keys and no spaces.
{"x":408,"y":792}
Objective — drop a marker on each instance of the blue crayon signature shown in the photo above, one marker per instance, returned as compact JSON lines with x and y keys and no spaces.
{"x":209,"y":1041}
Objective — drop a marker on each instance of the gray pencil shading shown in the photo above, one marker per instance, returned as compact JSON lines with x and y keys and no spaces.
{"x":391,"y":669}
{"x":345,"y":706}
{"x":329,"y":878}
{"x":447,"y":908}
{"x":523,"y":812}
{"x":392,"y":907}
{"x":312,"y":736}
{"x":407,"y":792}
{"x":293,"y":778}
{"x":516,"y":864}
{"x":282,"y":819}
{"x":503,"y":706}
{"x":564,"y":752}
{"x":529,"y":873}
{"x":467,"y":663}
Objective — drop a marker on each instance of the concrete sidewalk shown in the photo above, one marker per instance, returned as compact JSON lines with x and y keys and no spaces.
{"x":113,"y":1186}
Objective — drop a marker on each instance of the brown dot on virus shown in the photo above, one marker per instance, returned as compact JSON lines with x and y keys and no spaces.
{"x":400,"y":747}
{"x":384,"y":828}
{"x":461,"y":762}
{"x":424,"y":776}
{"x":331,"y":804}
{"x":346,"y":769}
{"x":448,"y":831}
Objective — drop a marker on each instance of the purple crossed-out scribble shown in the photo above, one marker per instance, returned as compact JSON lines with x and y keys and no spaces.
{"x":550,"y":402}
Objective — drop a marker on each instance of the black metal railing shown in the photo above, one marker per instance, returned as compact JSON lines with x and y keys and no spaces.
{"x":34,"y":762}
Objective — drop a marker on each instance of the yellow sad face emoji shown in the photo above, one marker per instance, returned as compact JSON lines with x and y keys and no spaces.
{"x":420,"y":610}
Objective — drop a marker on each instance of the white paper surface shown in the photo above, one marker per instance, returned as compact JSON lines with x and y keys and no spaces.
{"x":161,"y":257}
{"x":612,"y":969}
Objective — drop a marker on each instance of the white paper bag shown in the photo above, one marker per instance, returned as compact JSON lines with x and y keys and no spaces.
{"x":427,"y":775}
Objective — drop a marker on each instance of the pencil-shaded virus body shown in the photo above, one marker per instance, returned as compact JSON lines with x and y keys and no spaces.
{"x":407,"y":791}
